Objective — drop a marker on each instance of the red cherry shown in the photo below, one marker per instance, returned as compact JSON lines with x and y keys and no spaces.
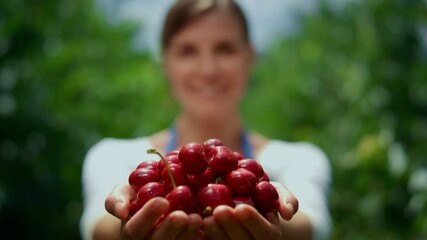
{"x":244,"y":200}
{"x":213,"y":195}
{"x":209,"y":144}
{"x":149,"y":191}
{"x":145,"y":193}
{"x":241,"y":181}
{"x":181,"y":198}
{"x":264,"y":177}
{"x":150,"y":164}
{"x":177,"y":174}
{"x":197,"y":181}
{"x":173,"y":158}
{"x":266,"y":197}
{"x":141,"y":176}
{"x":252,"y":166}
{"x":192,"y":158}
{"x":134,"y":207}
{"x":221,"y":160}
{"x":238,"y":155}
{"x":173,"y":152}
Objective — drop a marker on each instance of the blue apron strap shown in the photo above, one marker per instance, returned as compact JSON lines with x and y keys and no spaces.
{"x":246,"y":145}
{"x":172,"y":141}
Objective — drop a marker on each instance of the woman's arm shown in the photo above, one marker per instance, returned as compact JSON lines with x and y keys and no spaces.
{"x":294,"y":224}
{"x":107,"y":228}
{"x":299,"y":227}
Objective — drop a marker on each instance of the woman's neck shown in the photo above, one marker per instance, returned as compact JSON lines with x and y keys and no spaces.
{"x":229,"y":131}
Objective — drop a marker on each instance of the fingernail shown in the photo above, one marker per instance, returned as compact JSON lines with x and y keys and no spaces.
{"x":175,"y":221}
{"x":290,"y":206}
{"x":118,"y":207}
{"x":160,"y":203}
{"x":120,"y":210}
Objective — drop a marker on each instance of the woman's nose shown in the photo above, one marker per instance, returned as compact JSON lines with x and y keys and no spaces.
{"x":208,"y":65}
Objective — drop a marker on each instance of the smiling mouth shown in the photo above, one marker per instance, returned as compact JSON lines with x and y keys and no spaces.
{"x":211,"y":92}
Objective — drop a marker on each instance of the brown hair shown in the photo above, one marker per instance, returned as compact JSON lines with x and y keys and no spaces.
{"x":184,"y":11}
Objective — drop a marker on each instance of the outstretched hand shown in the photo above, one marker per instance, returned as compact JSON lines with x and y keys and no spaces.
{"x":245,"y":222}
{"x":242,"y":222}
{"x":152,"y":221}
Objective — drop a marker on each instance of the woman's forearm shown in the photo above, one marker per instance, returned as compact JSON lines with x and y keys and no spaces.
{"x":107,"y":228}
{"x":299,"y":227}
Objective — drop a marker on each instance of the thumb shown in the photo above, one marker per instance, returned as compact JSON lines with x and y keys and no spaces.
{"x":288,"y":201}
{"x":118,"y":201}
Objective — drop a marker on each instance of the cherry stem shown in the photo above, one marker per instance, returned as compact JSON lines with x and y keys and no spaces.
{"x":154,"y":151}
{"x":207,"y":211}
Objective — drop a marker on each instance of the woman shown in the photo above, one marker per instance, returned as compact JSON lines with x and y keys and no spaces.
{"x":207,"y":57}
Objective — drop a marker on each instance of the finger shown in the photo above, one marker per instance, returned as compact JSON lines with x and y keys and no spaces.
{"x":272,"y":218}
{"x":213,"y":230}
{"x":194,"y":225}
{"x":171,"y":227}
{"x":201,"y":235}
{"x":141,"y":224}
{"x":225,"y":217}
{"x":255,"y":223}
{"x":117,"y":202}
{"x":287,"y":210}
{"x":288,"y":202}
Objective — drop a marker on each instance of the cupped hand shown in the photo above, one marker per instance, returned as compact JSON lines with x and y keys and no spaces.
{"x":245,"y":222}
{"x":152,"y":221}
{"x":242,"y":222}
{"x":288,"y":201}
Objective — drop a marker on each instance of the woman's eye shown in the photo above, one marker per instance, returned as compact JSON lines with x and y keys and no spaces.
{"x":186,"y":51}
{"x":225,"y":49}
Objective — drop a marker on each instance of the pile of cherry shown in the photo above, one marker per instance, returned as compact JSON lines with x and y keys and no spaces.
{"x":199,"y":177}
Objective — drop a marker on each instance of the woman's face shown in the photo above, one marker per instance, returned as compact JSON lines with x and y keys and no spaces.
{"x":208,"y":63}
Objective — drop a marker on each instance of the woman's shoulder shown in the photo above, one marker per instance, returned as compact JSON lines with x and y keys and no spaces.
{"x":111,"y":144}
{"x":262,"y":143}
{"x":277,"y":146}
{"x":115,"y":154}
{"x":110,"y":150}
{"x":300,"y":152}
{"x":159,"y":140}
{"x":127,"y":147}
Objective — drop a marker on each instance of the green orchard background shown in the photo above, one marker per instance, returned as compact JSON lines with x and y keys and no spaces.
{"x":353,"y":80}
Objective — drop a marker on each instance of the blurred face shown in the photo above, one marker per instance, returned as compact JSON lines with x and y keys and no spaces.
{"x":208,"y":63}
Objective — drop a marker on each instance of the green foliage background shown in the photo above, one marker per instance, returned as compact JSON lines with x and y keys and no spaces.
{"x":353,"y":81}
